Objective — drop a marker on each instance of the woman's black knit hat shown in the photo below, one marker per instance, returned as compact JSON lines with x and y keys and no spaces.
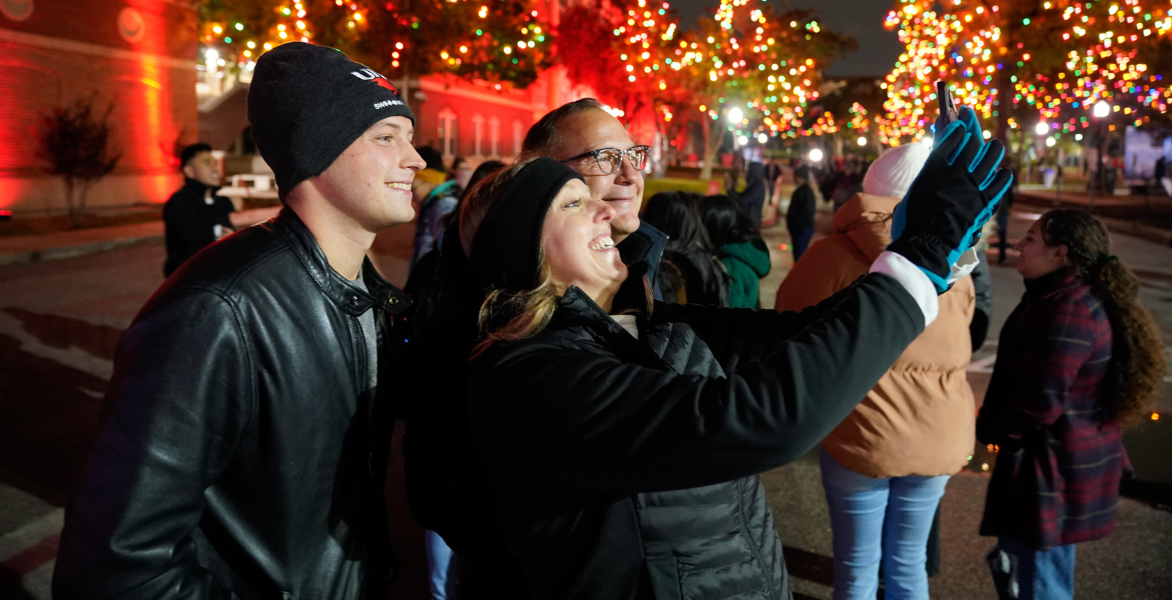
{"x":308,"y":103}
{"x":506,"y":251}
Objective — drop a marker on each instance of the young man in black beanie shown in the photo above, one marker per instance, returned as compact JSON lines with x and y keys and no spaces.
{"x":243,"y":452}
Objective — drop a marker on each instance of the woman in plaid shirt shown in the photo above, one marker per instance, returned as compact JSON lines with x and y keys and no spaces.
{"x":1077,"y":358}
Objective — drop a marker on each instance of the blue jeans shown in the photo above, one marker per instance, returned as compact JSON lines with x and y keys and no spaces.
{"x":443,"y":567}
{"x":801,"y":240}
{"x":875,"y":520}
{"x":1022,"y":573}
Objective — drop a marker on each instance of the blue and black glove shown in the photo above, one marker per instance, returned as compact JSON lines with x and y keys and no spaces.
{"x":950,"y":200}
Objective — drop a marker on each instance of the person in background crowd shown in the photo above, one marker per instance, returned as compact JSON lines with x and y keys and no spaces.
{"x":1078,"y":358}
{"x":426,"y":283}
{"x":884,"y":468}
{"x":799,"y":219}
{"x":983,"y":286}
{"x":978,"y":332}
{"x":430,"y":277}
{"x":772,"y":173}
{"x":446,"y":485}
{"x":1160,"y":170}
{"x":1002,"y":220}
{"x":434,"y":196}
{"x":623,"y":441}
{"x":752,"y":198}
{"x":690,"y":273}
{"x":195,"y":216}
{"x":244,"y":447}
{"x":738,"y":246}
{"x":846,"y":182}
{"x":462,"y":172}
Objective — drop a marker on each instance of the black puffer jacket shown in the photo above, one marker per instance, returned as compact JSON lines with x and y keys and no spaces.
{"x":446,"y":486}
{"x":244,"y":452}
{"x":584,"y":429}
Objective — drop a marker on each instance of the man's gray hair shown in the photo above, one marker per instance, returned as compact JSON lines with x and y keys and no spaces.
{"x":543,"y":138}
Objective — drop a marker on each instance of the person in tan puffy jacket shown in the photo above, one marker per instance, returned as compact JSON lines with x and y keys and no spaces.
{"x":885,"y":466}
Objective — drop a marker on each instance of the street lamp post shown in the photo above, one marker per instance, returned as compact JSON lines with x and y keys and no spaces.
{"x":1101,"y":110}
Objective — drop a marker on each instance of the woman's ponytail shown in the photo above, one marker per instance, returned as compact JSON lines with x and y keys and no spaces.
{"x":1137,"y":368}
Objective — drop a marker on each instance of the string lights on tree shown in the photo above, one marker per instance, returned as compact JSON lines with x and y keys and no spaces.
{"x":1022,"y":62}
{"x":503,"y":43}
{"x":748,"y":56}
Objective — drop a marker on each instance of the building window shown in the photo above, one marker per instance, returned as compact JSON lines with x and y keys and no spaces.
{"x":449,"y":139}
{"x":477,"y":134}
{"x":494,"y":136}
{"x":518,"y":137}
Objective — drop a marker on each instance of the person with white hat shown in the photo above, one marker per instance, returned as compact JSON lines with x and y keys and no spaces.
{"x":885,"y":466}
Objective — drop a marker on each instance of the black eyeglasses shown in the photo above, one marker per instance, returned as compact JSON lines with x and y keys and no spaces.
{"x":609,"y":160}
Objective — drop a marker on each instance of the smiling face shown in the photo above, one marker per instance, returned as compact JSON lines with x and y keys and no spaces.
{"x":623,"y":189}
{"x":370,"y":183}
{"x":578,"y":244}
{"x":1038,"y":259}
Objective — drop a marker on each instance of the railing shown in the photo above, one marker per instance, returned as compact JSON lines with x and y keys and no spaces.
{"x":216,"y":79}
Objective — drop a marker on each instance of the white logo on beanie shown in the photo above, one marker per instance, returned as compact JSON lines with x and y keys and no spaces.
{"x":366,"y":74}
{"x":386,"y":103}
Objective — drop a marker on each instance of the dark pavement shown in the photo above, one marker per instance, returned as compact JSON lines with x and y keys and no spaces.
{"x":59,"y":322}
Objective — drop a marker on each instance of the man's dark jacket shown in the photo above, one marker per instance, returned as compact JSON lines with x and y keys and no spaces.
{"x":802,"y":207}
{"x":446,"y":486}
{"x":243,"y":452}
{"x":189,"y":222}
{"x":627,"y":469}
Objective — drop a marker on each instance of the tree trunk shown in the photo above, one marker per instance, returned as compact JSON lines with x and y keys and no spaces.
{"x":406,"y":88}
{"x":1005,"y":93}
{"x":85,"y":190}
{"x":709,"y":147}
{"x":70,"y":204}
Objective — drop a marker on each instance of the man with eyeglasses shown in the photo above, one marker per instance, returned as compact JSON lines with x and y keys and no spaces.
{"x":596,"y":145}
{"x":591,"y":141}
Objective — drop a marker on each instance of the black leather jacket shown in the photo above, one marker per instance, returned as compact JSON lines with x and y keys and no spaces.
{"x":243,"y":453}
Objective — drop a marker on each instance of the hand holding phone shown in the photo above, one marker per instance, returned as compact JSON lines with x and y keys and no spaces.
{"x":948,"y":112}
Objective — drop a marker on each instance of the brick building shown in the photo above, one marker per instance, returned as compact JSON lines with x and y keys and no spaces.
{"x":456,"y":117}
{"x":137,"y":55}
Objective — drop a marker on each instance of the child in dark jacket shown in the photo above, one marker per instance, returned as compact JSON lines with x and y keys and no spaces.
{"x":1077,"y":358}
{"x":738,"y":246}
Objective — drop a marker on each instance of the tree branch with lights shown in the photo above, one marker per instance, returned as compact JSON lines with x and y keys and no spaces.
{"x":1047,"y":61}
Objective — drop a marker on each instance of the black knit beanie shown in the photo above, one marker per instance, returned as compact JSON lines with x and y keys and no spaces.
{"x":308,"y":103}
{"x":507,"y":246}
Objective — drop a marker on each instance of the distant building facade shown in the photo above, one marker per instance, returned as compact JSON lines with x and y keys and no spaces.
{"x":458,"y":118}
{"x":138,"y":55}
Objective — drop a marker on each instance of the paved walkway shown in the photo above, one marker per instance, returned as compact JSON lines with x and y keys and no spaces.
{"x":1147,"y":217}
{"x":15,"y":250}
{"x":64,"y":319}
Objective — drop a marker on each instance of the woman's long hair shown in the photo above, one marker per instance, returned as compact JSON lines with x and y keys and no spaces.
{"x":507,"y":316}
{"x":726,"y":222}
{"x":1136,"y":373}
{"x":676,"y":214}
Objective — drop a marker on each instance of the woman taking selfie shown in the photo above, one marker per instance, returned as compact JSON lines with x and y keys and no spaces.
{"x":623,"y":441}
{"x":1078,"y":358}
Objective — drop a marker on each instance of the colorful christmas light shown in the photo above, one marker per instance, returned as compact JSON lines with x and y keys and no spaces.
{"x":1035,"y":60}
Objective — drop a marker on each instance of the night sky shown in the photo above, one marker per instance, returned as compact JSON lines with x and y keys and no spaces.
{"x":860,"y":19}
